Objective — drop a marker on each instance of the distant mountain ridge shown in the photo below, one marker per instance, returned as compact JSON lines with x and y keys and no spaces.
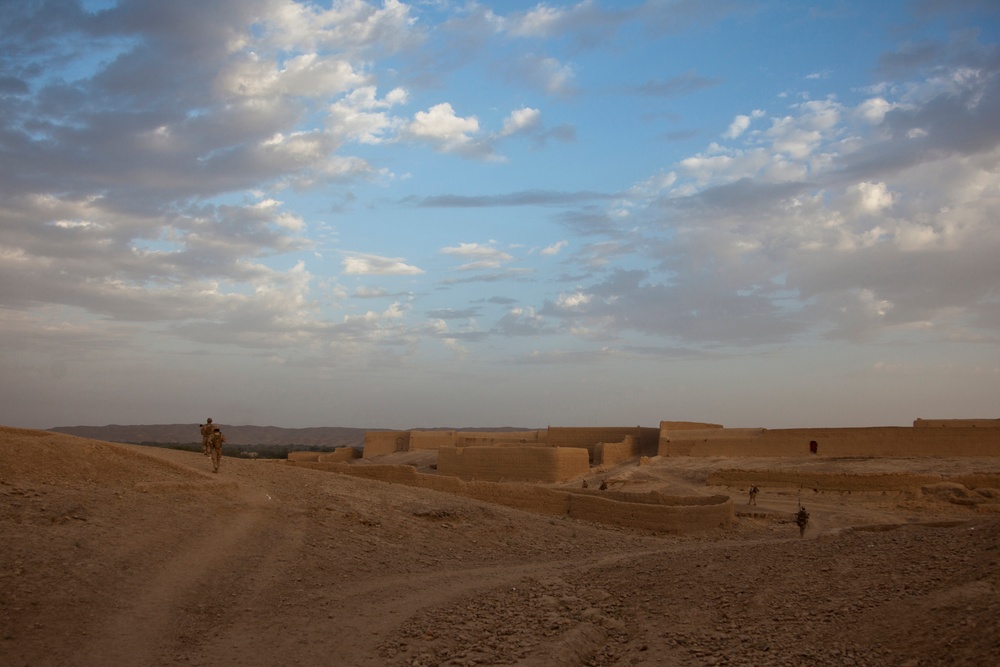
{"x":244,"y":436}
{"x":321,"y":436}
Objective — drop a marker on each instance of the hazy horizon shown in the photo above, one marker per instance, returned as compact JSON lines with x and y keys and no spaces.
{"x":465,"y":427}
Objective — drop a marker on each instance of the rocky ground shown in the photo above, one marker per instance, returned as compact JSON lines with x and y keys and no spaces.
{"x":117,"y":554}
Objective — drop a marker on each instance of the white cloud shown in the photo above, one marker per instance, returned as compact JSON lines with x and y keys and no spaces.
{"x":448,"y":132}
{"x":521,"y":120}
{"x":554,"y":248}
{"x":306,"y":75}
{"x":573,"y":301}
{"x":737,"y":127}
{"x":373,"y":265}
{"x":740,"y":124}
{"x":365,"y":292}
{"x":871,"y":198}
{"x":546,"y":73}
{"x":362,"y":117}
{"x":482,"y":256}
{"x":873,"y":110}
{"x":584,"y":21}
{"x":872,"y":305}
{"x":733,"y":165}
{"x":537,"y":22}
{"x":441,"y":124}
{"x":393,"y":312}
{"x":351,"y":24}
{"x":798,"y":137}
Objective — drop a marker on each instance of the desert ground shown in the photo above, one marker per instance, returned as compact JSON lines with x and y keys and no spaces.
{"x":116,"y":554}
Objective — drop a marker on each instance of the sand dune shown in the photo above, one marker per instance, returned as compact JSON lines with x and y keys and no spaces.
{"x":118,"y":554}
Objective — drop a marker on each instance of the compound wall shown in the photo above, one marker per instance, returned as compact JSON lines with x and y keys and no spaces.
{"x":338,"y":454}
{"x":946,"y":423}
{"x":677,"y":442}
{"x":890,"y":441}
{"x":871,"y":482}
{"x":685,"y":426}
{"x":439,"y":439}
{"x":649,"y":511}
{"x":378,"y":443}
{"x":610,"y":453}
{"x":589,"y":437}
{"x":431,"y":439}
{"x":495,"y":438}
{"x":525,"y":463}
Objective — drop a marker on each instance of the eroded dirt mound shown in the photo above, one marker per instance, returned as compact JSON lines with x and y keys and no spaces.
{"x":44,"y":457}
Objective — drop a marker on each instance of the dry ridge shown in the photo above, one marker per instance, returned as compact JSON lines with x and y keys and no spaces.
{"x":114,"y":554}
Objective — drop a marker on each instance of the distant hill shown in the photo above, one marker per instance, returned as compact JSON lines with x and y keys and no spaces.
{"x":322,"y":436}
{"x":243,"y":436}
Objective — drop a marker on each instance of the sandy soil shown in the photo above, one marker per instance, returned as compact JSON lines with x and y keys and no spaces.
{"x":121,"y":555}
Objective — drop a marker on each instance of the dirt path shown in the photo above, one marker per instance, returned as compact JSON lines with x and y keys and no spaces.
{"x":159,"y":609}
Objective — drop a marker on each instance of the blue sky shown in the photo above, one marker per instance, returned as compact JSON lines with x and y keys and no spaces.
{"x":401,"y":215}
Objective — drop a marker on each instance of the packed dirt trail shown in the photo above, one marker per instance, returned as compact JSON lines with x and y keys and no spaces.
{"x":124,"y":555}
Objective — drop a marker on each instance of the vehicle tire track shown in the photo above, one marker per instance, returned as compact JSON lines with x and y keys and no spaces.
{"x":156,"y":608}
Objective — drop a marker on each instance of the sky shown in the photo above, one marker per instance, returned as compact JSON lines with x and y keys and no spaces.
{"x":758,"y":213}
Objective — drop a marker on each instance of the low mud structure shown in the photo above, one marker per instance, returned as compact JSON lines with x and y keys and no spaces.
{"x":647,"y":511}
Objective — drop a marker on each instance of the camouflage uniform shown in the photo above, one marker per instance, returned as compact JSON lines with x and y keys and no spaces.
{"x":217,"y":440}
{"x":802,"y":519}
{"x":206,"y":436}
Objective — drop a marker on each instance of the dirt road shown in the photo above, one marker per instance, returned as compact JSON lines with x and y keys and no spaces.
{"x":113,"y":554}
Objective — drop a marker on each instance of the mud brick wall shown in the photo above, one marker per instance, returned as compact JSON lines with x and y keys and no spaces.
{"x":536,"y":464}
{"x":676,"y":442}
{"x":610,"y":453}
{"x":672,"y":426}
{"x":886,"y":441}
{"x":589,"y":437}
{"x":527,"y":497}
{"x":431,"y":439}
{"x":488,"y":438}
{"x":686,"y":426}
{"x":804,"y":479}
{"x":338,"y":454}
{"x":950,"y":423}
{"x":378,"y":443}
{"x":644,"y":511}
{"x":890,"y":441}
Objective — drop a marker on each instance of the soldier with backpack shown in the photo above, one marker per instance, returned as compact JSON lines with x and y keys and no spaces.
{"x":801,"y":519}
{"x":216,"y":443}
{"x":206,"y":436}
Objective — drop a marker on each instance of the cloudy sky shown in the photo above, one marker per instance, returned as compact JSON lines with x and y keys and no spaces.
{"x":451,"y":213}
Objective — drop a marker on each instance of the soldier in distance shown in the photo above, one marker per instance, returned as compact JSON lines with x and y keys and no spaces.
{"x":217,"y":440}
{"x":801,"y":520}
{"x":206,"y":436}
